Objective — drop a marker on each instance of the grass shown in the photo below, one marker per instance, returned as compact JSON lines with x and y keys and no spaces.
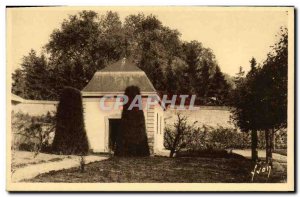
{"x":158,"y":170}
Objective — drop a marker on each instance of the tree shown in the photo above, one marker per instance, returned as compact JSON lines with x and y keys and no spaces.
{"x":252,"y":74}
{"x":272,"y":82}
{"x":182,"y":86}
{"x":18,"y":85}
{"x":192,"y":51}
{"x":152,"y":45}
{"x":86,"y":42}
{"x":177,"y":138}
{"x":132,"y":140}
{"x":30,"y":81}
{"x":201,"y":72}
{"x":203,"y":86}
{"x":70,"y":135}
{"x":260,"y":101}
{"x":219,"y":88}
{"x":253,"y":64}
{"x":239,"y":76}
{"x":245,"y":103}
{"x":83,"y":45}
{"x":171,"y":86}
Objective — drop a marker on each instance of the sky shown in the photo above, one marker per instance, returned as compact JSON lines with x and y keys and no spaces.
{"x":234,"y":34}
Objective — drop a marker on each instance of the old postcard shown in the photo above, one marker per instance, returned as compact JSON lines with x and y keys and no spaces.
{"x":150,"y":98}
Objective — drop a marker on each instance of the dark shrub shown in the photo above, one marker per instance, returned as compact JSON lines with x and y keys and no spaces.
{"x":27,"y":147}
{"x":132,"y":140}
{"x":70,"y":136}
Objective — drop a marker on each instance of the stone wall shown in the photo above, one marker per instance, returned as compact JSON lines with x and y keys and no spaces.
{"x":213,"y":116}
{"x":34,"y":108}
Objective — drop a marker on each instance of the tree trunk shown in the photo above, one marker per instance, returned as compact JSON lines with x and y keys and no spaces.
{"x":172,"y":151}
{"x":273,"y":140}
{"x":267,"y":145}
{"x":254,"y":145}
{"x":175,"y":143}
{"x":268,"y":135}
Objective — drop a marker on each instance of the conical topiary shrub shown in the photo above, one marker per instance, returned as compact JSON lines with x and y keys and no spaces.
{"x":70,"y":135}
{"x":132,"y":140}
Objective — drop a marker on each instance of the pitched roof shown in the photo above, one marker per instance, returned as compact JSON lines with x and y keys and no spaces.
{"x":115,"y":78}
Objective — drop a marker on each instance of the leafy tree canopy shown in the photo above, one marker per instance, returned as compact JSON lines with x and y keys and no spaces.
{"x":87,"y":42}
{"x":260,"y":99}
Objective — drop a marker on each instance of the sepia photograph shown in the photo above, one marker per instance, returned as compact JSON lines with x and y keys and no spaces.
{"x":165,"y":98}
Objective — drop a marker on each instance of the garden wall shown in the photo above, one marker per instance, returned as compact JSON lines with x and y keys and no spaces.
{"x":213,"y":116}
{"x":35,"y":108}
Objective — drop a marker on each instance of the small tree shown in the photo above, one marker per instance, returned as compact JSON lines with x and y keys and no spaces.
{"x":132,"y":140}
{"x":177,"y":138}
{"x":245,"y":101}
{"x":70,"y":136}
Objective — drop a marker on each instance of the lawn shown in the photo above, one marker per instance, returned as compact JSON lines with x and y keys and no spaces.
{"x":156,"y":170}
{"x":161,"y":170}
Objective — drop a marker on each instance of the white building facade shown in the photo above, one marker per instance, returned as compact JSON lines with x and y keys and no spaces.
{"x":101,"y":124}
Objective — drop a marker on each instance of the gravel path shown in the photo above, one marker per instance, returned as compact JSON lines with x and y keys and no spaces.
{"x":261,"y":154}
{"x":31,"y":171}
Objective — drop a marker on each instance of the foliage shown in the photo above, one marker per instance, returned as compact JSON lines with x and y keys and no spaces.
{"x":218,"y":138}
{"x":132,"y":141}
{"x":185,"y":137}
{"x":32,"y":133}
{"x":260,"y":100}
{"x":178,"y":138}
{"x":86,"y":42}
{"x":279,"y":141}
{"x":206,"y":139}
{"x":30,"y":81}
{"x":219,"y":88}
{"x":70,"y":135}
{"x":83,"y":45}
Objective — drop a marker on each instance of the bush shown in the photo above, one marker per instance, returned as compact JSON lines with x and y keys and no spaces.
{"x":70,"y":136}
{"x":27,"y":147}
{"x":132,"y":140}
{"x":228,"y":138}
{"x":207,"y":140}
{"x":280,"y":139}
{"x":180,"y":136}
{"x":32,"y":133}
